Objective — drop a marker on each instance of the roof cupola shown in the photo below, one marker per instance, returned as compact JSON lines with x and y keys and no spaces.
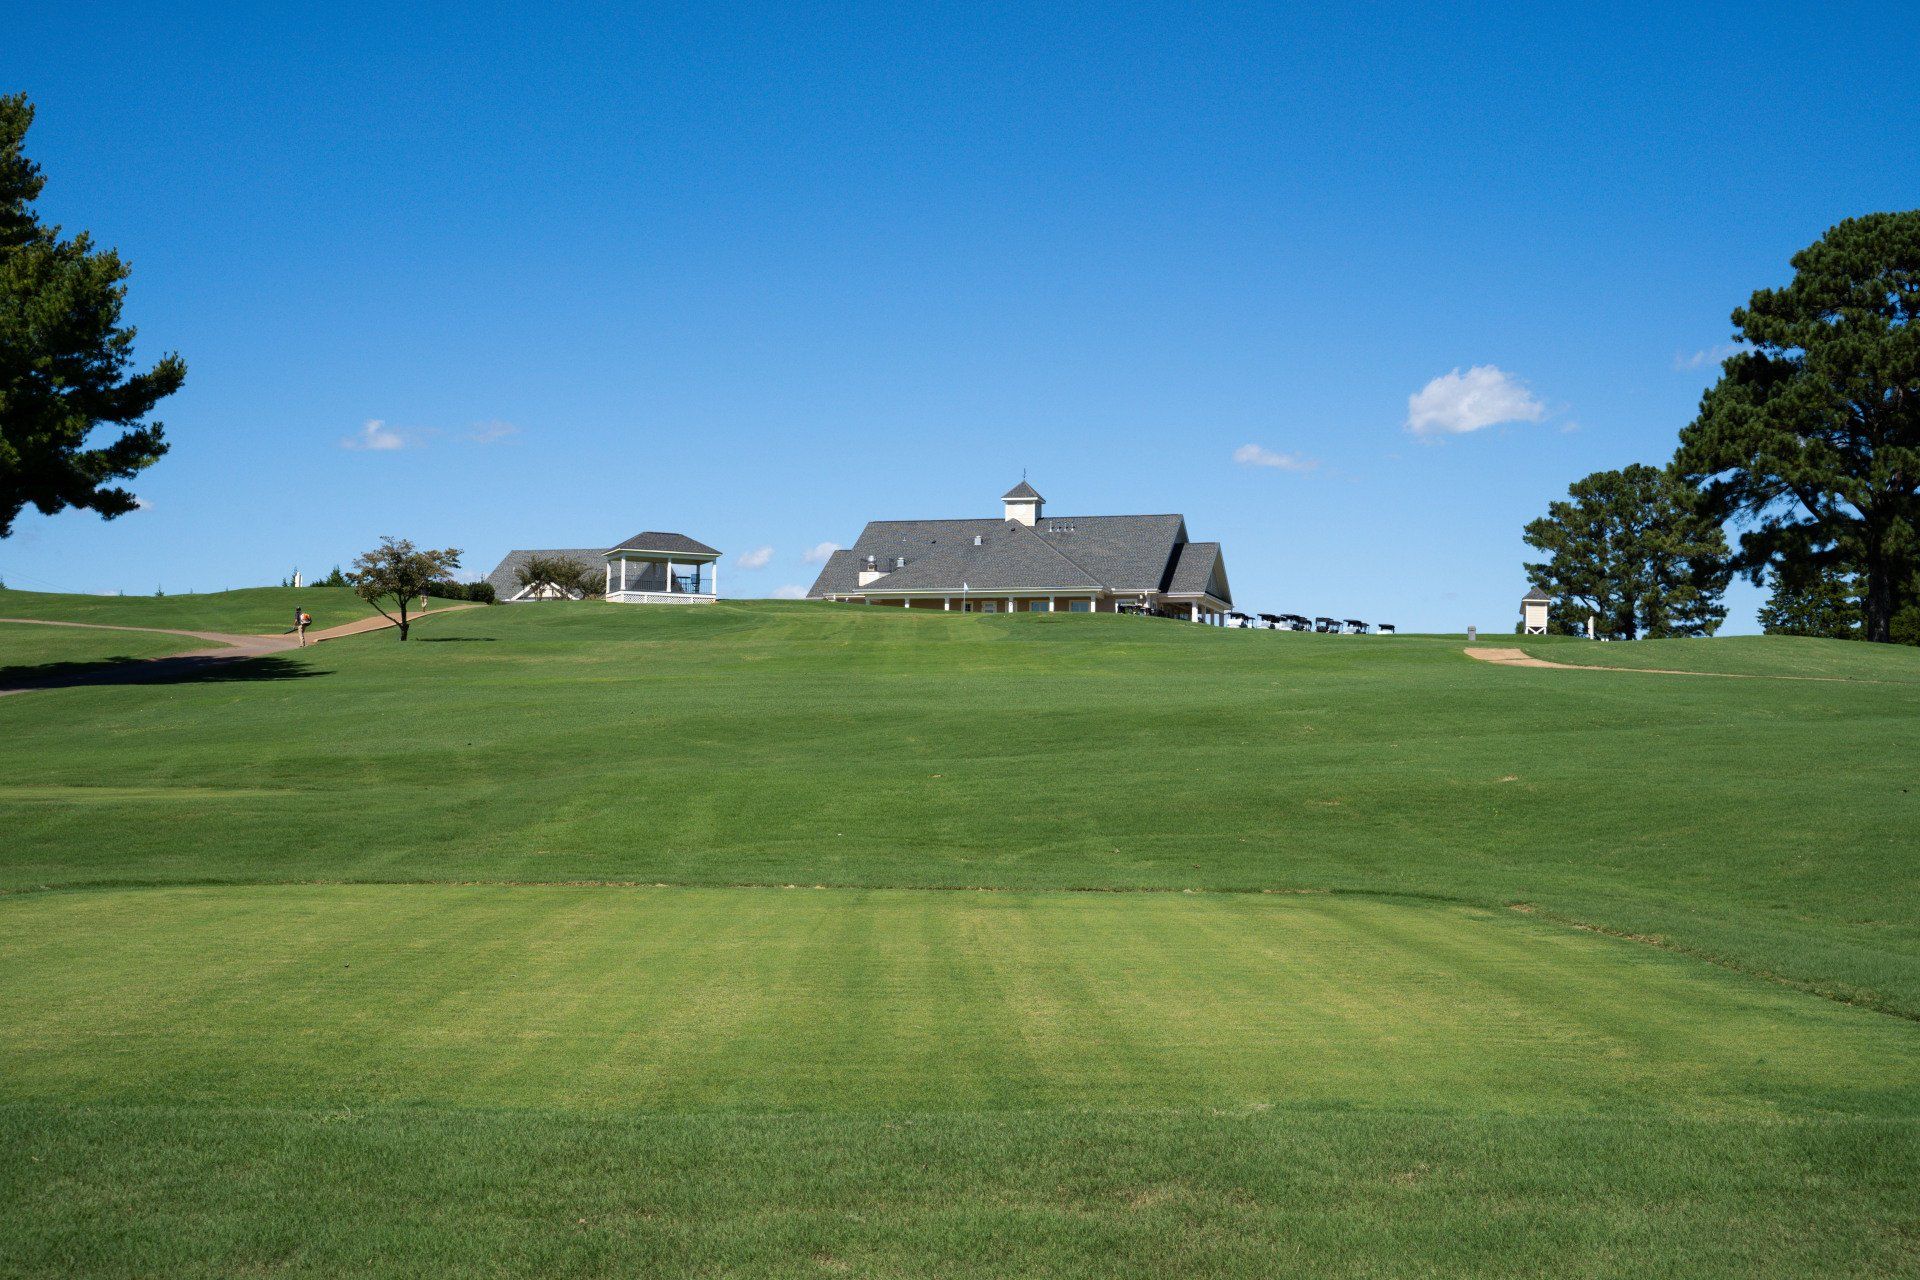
{"x":1023,"y":503}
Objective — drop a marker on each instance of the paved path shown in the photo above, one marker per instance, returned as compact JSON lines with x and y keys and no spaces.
{"x":193,"y":664}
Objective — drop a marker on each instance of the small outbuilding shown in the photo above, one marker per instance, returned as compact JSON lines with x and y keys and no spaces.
{"x":1533,"y":612}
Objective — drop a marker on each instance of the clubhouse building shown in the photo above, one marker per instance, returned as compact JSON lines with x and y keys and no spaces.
{"x":1029,"y":562}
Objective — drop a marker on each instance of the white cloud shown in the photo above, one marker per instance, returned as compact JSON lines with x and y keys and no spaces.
{"x":754,"y":559}
{"x":1252,"y":455}
{"x":790,"y":592}
{"x":1703,"y":357}
{"x":819,"y":554}
{"x":376,"y":436}
{"x":1456,"y":403}
{"x":491,"y":431}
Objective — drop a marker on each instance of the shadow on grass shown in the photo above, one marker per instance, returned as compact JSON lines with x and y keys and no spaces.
{"x":452,"y":640}
{"x":209,"y":669}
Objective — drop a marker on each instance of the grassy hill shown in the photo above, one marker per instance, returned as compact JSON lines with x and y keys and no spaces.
{"x":748,"y":939}
{"x":1799,"y":657}
{"x":25,"y":647}
{"x":251,"y":611}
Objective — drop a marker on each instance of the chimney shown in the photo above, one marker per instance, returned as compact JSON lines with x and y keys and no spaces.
{"x":1023,"y":503}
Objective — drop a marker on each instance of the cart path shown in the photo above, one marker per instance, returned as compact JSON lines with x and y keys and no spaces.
{"x":222,"y":647}
{"x":1521,"y":658}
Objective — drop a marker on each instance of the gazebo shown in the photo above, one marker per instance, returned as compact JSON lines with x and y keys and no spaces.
{"x":662,"y":568}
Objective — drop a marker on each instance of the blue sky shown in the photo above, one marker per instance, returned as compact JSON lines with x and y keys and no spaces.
{"x":763,"y":274}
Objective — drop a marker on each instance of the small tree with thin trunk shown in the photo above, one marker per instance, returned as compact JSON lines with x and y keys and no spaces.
{"x":395,"y":572}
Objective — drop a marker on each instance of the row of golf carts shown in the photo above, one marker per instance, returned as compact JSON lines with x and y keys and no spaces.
{"x":1300,"y":622}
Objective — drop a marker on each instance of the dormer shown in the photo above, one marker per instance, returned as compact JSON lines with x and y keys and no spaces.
{"x":1023,"y":503}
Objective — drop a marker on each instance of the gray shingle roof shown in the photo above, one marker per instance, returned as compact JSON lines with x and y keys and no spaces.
{"x":506,"y":586}
{"x":1010,"y":557}
{"x":1200,"y":569}
{"x":1125,"y":553}
{"x":1022,"y":490}
{"x":1537,"y":596}
{"x":1118,"y":553}
{"x":671,"y":543}
{"x":838,"y":576}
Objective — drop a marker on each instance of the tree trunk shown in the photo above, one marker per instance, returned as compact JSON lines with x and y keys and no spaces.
{"x":1876,"y":602}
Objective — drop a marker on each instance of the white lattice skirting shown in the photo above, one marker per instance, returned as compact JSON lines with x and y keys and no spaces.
{"x":659,"y":597}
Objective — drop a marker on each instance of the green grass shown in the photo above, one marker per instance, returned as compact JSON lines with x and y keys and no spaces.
{"x":385,"y":1192}
{"x":1796,"y":656}
{"x":24,"y":647}
{"x":770,"y":744}
{"x":680,"y":1000}
{"x":249,"y":611}
{"x":232,"y":1039}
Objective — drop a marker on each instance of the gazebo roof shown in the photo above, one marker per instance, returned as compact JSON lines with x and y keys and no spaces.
{"x":1023,"y":490}
{"x":676,"y":544}
{"x":1536,"y":596}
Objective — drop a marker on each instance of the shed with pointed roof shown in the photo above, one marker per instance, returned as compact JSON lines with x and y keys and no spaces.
{"x":1533,"y":612}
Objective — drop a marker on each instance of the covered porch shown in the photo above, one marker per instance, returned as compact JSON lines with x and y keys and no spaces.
{"x":675,"y":570}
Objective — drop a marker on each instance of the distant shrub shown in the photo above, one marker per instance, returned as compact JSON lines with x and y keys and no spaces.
{"x":478,"y":592}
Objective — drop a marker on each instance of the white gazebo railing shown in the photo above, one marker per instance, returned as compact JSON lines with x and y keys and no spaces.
{"x":639,"y":578}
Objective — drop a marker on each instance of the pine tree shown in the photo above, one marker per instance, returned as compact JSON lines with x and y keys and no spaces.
{"x":1811,"y":438}
{"x":65,"y":357}
{"x":1636,"y":549}
{"x":1824,"y":604}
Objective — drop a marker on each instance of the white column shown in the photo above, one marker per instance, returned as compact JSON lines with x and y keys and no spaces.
{"x":715,"y":584}
{"x":1050,"y":604}
{"x":946,"y":604}
{"x":623,"y":575}
{"x":609,"y":588}
{"x":669,"y":577}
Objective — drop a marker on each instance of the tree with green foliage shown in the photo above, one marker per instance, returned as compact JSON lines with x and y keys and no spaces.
{"x":1811,"y":438}
{"x":65,"y":357}
{"x":1823,"y":604}
{"x":395,"y":572}
{"x":1637,"y":549}
{"x":551,"y":577}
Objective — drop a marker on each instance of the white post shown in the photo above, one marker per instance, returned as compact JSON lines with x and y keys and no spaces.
{"x":609,"y":589}
{"x":1195,"y":606}
{"x":669,"y":577}
{"x":715,"y":584}
{"x":623,"y":575}
{"x":946,"y":604}
{"x":1049,"y":604}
